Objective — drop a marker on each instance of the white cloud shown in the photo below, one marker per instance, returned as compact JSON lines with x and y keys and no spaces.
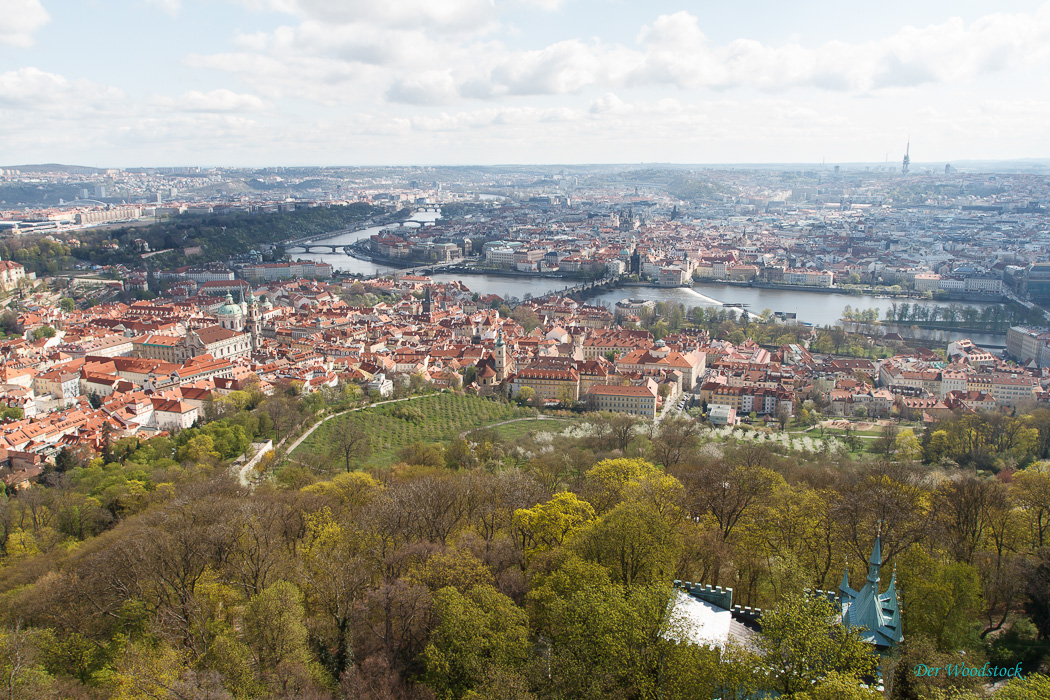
{"x":674,"y":51}
{"x":425,"y":80}
{"x":19,"y":19}
{"x":39,"y":90}
{"x":678,"y":53}
{"x":46,"y":113}
{"x":170,"y":7}
{"x":495,"y":117}
{"x":358,"y":42}
{"x":426,"y":88}
{"x":444,"y":15}
{"x":221,"y":100}
{"x":548,"y":5}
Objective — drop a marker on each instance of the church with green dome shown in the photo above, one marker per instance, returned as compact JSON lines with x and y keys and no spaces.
{"x":230,"y":315}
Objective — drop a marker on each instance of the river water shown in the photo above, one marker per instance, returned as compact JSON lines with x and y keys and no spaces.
{"x":810,"y":307}
{"x":346,"y":263}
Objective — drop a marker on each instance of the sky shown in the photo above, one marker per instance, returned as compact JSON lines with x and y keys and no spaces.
{"x":122,"y":83}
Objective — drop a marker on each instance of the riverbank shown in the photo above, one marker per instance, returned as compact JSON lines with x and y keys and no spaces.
{"x":994,"y":341}
{"x":861,"y":291}
{"x":361,"y":252}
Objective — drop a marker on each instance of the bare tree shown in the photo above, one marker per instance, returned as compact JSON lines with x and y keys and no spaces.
{"x":624,"y":428}
{"x":260,"y":555}
{"x":282,"y":413}
{"x":349,"y":439}
{"x":962,"y":508}
{"x":599,"y":423}
{"x":677,"y":437}
{"x":889,"y":495}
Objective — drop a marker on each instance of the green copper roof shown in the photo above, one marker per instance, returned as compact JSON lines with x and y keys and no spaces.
{"x":877,"y":613}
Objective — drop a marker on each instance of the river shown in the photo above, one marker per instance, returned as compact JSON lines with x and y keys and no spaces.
{"x":810,"y":307}
{"x":818,"y":308}
{"x":346,"y":263}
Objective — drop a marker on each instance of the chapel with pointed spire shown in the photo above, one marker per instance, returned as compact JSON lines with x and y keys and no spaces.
{"x":878,"y":614}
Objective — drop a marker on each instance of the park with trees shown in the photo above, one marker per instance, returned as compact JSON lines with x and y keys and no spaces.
{"x":485,"y":559}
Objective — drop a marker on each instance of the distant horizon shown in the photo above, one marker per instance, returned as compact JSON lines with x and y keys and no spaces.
{"x":757,"y":165}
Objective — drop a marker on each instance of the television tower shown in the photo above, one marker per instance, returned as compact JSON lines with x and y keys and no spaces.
{"x":907,"y":159}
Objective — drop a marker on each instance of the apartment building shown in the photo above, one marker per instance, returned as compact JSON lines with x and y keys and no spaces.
{"x":634,"y":400}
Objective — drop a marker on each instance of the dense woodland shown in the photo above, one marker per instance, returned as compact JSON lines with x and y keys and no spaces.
{"x":218,"y":235}
{"x":538,"y":566}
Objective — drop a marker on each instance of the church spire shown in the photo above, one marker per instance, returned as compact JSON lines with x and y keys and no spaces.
{"x":877,"y":613}
{"x":875,"y":561}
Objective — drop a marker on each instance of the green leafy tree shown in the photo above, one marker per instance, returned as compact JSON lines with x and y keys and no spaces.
{"x":610,"y":478}
{"x":838,"y":686}
{"x":635,"y":543}
{"x":942,"y":600}
{"x":802,"y":643}
{"x":547,"y":525}
{"x":906,"y":446}
{"x":1033,"y":687}
{"x":604,"y":641}
{"x":275,"y":627}
{"x":479,"y":631}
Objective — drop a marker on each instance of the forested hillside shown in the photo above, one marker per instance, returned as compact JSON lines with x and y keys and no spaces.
{"x":532,"y":566}
{"x":218,"y":235}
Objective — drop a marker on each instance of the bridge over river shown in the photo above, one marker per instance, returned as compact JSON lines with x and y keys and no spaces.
{"x":310,"y":243}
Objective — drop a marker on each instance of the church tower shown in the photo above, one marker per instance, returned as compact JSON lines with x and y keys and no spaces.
{"x":499,"y":356}
{"x":254,"y":325}
{"x":428,"y":303}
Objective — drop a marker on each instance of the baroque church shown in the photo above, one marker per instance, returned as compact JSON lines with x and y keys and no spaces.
{"x":245,"y":317}
{"x":494,"y":369}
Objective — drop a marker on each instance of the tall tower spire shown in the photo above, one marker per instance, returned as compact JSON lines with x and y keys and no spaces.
{"x":878,"y":614}
{"x":254,"y":320}
{"x":499,"y":357}
{"x":907,"y":158}
{"x":875,"y":561}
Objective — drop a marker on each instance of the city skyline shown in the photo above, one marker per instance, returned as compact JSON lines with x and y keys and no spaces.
{"x":308,"y":82}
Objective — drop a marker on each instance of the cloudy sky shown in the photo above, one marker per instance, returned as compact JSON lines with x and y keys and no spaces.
{"x":356,"y":82}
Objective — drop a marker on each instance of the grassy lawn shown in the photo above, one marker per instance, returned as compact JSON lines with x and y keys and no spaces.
{"x":858,"y":433}
{"x":437,"y":418}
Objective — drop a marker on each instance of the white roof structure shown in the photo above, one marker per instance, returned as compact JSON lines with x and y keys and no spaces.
{"x":697,"y":621}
